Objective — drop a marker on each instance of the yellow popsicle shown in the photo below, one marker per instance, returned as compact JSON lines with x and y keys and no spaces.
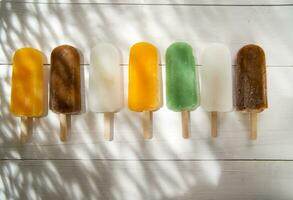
{"x":27,"y":83}
{"x":144,"y":78}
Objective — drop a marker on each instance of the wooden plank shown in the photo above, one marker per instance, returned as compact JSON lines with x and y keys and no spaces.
{"x":45,"y":26}
{"x":86,"y":139}
{"x":142,"y":2}
{"x":90,"y":179}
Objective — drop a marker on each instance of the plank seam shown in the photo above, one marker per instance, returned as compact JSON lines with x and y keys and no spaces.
{"x":155,"y":4}
{"x":147,"y":160}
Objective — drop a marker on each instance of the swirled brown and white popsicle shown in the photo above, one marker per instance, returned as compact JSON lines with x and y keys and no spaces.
{"x":65,"y":97}
{"x":251,"y":83}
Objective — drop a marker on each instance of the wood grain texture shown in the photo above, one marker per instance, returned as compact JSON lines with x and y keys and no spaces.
{"x":45,"y":26}
{"x":168,"y":2}
{"x":89,"y":179}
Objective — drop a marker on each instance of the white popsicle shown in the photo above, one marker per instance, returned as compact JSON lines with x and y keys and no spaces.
{"x":105,"y":83}
{"x":216,"y":81}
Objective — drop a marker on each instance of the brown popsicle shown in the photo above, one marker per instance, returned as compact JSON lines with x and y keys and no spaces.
{"x":251,"y":83}
{"x":65,"y":97}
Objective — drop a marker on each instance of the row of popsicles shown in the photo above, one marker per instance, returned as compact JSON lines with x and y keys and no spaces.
{"x":144,"y":86}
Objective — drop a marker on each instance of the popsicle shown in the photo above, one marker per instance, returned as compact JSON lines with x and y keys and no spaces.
{"x":144,"y":88}
{"x":251,"y":83}
{"x":216,"y":82}
{"x":181,"y":82}
{"x":105,"y":84}
{"x":65,"y":98}
{"x":27,"y":90}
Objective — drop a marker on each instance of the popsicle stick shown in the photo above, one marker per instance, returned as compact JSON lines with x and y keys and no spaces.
{"x":25,"y":129}
{"x":185,"y":124}
{"x":214,"y":124}
{"x":108,"y":124}
{"x":253,"y":125}
{"x":64,"y":126}
{"x":147,"y":125}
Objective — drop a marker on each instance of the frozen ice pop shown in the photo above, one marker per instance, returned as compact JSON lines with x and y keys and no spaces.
{"x":251,"y":83}
{"x":65,"y":98}
{"x":181,"y":82}
{"x":27,"y":90}
{"x":144,"y":88}
{"x":216,"y":82}
{"x":105,"y":84}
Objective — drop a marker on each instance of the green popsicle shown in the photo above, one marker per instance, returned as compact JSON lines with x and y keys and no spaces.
{"x":182,"y":82}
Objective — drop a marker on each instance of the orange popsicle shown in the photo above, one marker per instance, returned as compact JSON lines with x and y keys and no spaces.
{"x":144,"y":87}
{"x":144,"y":93}
{"x":27,"y":90}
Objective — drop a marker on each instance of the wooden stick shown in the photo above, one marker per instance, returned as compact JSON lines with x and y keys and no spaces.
{"x":25,"y":128}
{"x":147,"y":125}
{"x":214,"y":123}
{"x":185,"y":124}
{"x":108,"y":126}
{"x":64,"y":126}
{"x":253,"y":125}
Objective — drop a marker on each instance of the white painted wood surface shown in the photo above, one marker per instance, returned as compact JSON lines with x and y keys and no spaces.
{"x":166,"y":167}
{"x":161,"y":180}
{"x":168,"y":2}
{"x":45,"y":26}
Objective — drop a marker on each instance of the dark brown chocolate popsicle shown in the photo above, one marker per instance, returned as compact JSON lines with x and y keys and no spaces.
{"x":65,"y":97}
{"x":251,"y":84}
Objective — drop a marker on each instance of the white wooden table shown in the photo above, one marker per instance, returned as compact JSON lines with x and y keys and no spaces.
{"x":166,"y":167}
